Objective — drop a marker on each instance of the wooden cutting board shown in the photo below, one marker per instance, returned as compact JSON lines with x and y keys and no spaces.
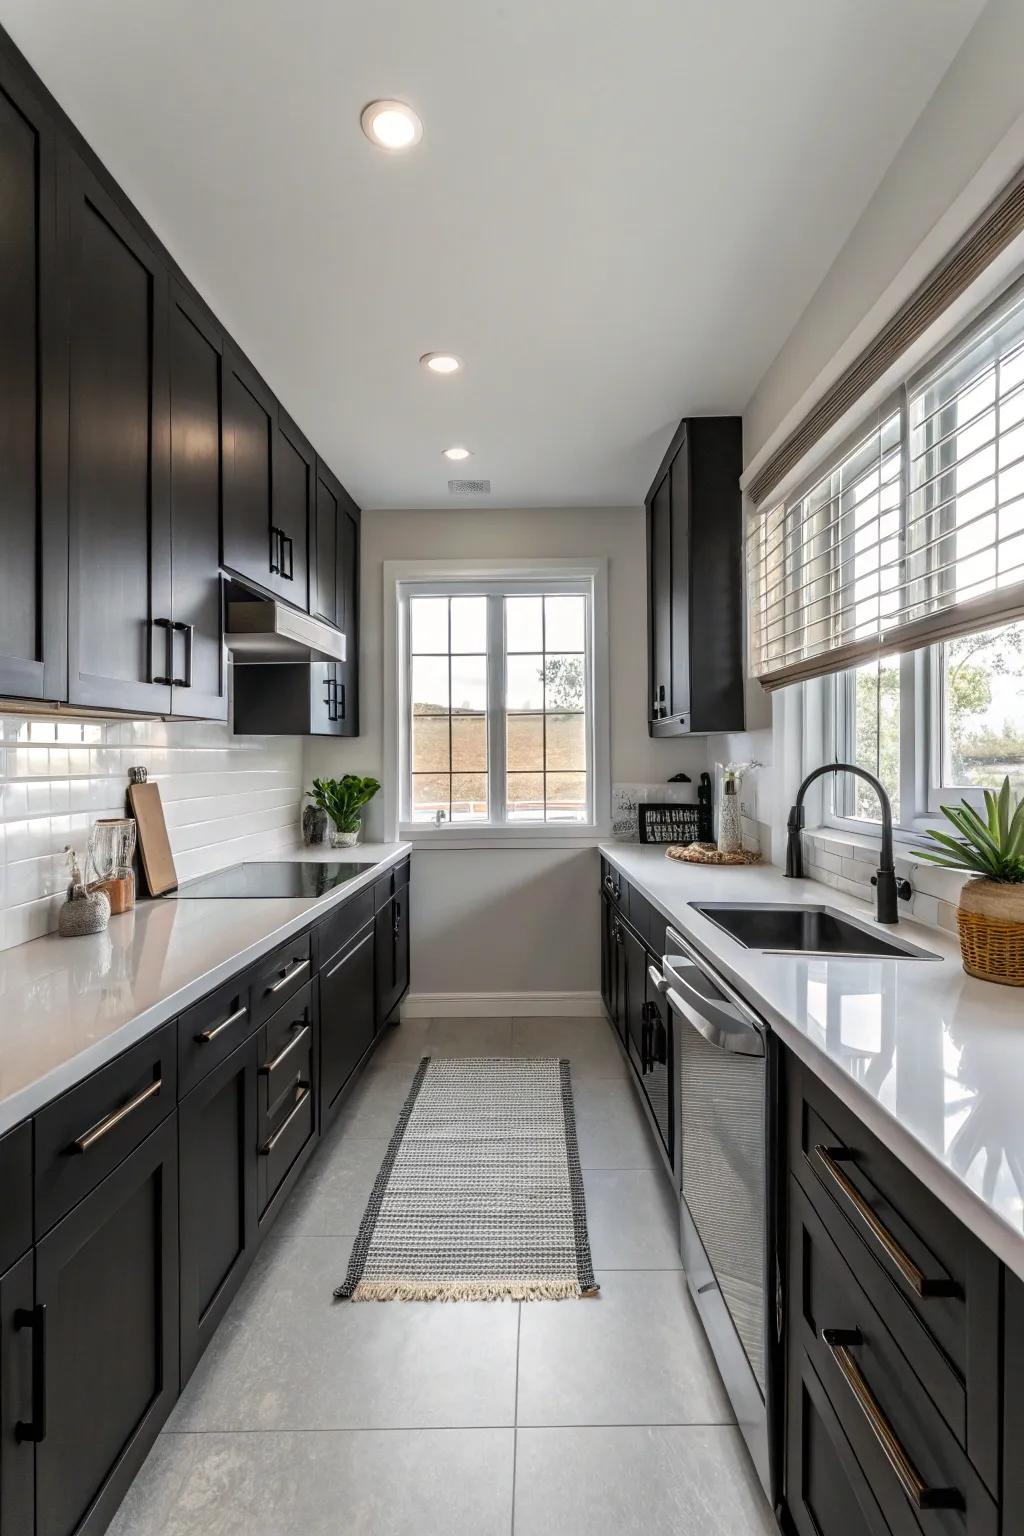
{"x":154,"y":845}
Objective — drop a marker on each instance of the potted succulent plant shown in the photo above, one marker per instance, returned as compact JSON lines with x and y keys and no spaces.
{"x":990,"y":917}
{"x":343,"y":800}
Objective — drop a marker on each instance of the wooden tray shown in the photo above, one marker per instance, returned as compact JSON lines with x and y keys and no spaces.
{"x":707,"y":853}
{"x":154,"y":845}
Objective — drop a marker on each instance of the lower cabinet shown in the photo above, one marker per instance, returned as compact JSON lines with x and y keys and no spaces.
{"x":392,"y":954}
{"x":347,"y":1018}
{"x":22,"y":1404}
{"x":286,"y":1099}
{"x":106,"y":1325}
{"x":217,"y":1196}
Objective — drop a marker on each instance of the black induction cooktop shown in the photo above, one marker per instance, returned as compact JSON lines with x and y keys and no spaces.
{"x":262,"y":880}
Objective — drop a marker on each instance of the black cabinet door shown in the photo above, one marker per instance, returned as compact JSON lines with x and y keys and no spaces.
{"x":249,"y":431}
{"x":22,"y":1414}
{"x":635,"y":1010}
{"x":659,"y":570}
{"x":199,"y":668}
{"x":323,"y":546}
{"x":679,"y":565}
{"x":217,"y":1195}
{"x":658,"y":1077}
{"x":119,"y":602}
{"x":33,"y":404}
{"x":392,"y":954}
{"x":346,"y":1014}
{"x":347,"y":671}
{"x":107,"y":1276}
{"x":294,"y":483}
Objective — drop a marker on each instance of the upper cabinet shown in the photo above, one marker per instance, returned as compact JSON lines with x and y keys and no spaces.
{"x":695,"y":583}
{"x":249,"y":425}
{"x":120,"y":635}
{"x":334,"y":589}
{"x":33,"y":404}
{"x":196,"y":354}
{"x":294,"y":478}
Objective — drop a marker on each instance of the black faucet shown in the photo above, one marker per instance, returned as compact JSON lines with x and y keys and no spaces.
{"x":888,"y":889}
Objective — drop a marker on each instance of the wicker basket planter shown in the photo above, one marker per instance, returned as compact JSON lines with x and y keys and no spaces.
{"x":990,"y":920}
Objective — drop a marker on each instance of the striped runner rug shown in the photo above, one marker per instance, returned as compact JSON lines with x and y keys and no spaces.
{"x":480,"y":1195}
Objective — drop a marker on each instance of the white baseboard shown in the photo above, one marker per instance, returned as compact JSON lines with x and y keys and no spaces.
{"x":501,"y":1005}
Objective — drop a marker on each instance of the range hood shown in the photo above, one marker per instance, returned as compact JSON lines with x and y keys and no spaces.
{"x":261,"y":631}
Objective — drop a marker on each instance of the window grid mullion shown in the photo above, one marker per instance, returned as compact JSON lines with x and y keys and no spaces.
{"x":496,"y":715}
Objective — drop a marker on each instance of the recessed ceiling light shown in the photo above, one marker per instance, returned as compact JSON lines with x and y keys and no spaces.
{"x":391,"y":125}
{"x":456,"y":453}
{"x":441,"y":362}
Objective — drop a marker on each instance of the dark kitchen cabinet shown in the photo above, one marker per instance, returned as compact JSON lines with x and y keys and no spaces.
{"x":695,"y":581}
{"x":251,"y":544}
{"x":120,"y":639}
{"x":347,"y":1016}
{"x":106,"y":1295}
{"x":392,"y":954}
{"x":199,"y":664}
{"x":286,"y":1097}
{"x":22,"y":1413}
{"x":217,"y":1162}
{"x":33,"y":401}
{"x":290,"y":699}
{"x":334,"y":594}
{"x":294,"y":483}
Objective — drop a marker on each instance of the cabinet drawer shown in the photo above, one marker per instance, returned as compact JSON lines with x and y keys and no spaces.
{"x":390,"y":884}
{"x":335,"y":931}
{"x":16,"y":1183}
{"x":286,"y":1047}
{"x":933,"y":1283}
{"x":827,"y":1493}
{"x":649,"y":923}
{"x":209,"y":1031}
{"x":614,"y":887}
{"x":911,"y":1459}
{"x":280,"y":976}
{"x":87,"y":1132}
{"x":280,"y":1149}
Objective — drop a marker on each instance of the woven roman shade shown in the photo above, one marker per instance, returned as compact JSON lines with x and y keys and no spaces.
{"x":914,"y":533}
{"x":1001,"y":223}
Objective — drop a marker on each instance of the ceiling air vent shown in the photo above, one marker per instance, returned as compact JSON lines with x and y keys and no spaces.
{"x":469,"y":487}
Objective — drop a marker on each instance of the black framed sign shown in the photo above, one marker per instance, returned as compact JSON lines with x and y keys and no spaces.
{"x":670,"y":823}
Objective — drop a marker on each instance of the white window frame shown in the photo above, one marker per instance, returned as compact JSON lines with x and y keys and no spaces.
{"x":425,"y":576}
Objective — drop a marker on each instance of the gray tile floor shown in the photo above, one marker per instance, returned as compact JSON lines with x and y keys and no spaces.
{"x":600,"y":1417}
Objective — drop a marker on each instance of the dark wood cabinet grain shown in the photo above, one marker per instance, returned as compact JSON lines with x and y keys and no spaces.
{"x":217,"y":1160}
{"x":33,"y":401}
{"x":695,"y":581}
{"x":107,"y":1276}
{"x":199,"y":663}
{"x":119,"y":610}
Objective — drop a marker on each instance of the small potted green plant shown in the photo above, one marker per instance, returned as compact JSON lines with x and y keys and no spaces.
{"x":990,"y":917}
{"x":343,"y":800}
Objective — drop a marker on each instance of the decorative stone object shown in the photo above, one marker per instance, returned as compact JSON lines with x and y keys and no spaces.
{"x":83,"y":911}
{"x":315,"y":822}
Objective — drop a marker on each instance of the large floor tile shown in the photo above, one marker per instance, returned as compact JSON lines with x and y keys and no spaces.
{"x":588,"y":1044}
{"x":403,"y":1042}
{"x":632,"y":1218}
{"x":635,"y":1354}
{"x":469,"y":1037}
{"x":389,"y":1483}
{"x":332,"y":1194}
{"x":306,"y":1361}
{"x":637,"y":1482}
{"x":610,"y":1126}
{"x":377,"y":1100}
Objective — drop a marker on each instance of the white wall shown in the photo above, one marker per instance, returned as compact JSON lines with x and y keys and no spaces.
{"x":519,"y":919}
{"x":225,"y":798}
{"x":966,"y":144}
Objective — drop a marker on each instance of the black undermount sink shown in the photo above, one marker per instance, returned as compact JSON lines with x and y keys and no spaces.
{"x":793,"y":928}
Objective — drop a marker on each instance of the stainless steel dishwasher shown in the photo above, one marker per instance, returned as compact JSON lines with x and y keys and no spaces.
{"x":723,"y":1070}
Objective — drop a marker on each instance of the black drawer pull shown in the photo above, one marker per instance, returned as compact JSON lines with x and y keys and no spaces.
{"x":829,"y":1158}
{"x":34,"y":1318}
{"x":301,"y":1028}
{"x":840,"y":1341}
{"x":268,"y":1146}
{"x":612,"y":887}
{"x":207,"y":1035}
{"x":106,"y":1125}
{"x":289,"y":975}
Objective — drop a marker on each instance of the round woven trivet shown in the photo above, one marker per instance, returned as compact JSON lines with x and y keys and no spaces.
{"x":707,"y":853}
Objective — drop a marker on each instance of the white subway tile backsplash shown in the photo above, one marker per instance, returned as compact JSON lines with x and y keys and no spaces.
{"x":226,"y":798}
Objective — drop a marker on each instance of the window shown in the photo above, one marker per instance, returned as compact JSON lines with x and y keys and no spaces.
{"x":496,"y":703}
{"x":933,"y":726}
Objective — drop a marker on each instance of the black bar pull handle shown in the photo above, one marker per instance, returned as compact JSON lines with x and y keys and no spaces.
{"x":35,"y":1318}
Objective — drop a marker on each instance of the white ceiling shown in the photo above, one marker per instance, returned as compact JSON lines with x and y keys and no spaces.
{"x":618,"y":210}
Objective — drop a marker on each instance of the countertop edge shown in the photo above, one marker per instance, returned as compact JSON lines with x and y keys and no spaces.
{"x":27,"y":1101}
{"x":958,"y":1197}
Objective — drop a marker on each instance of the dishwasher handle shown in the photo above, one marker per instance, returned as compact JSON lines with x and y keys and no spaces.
{"x":725,"y":1025}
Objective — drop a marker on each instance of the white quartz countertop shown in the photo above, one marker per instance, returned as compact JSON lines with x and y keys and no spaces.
{"x":931,"y":1060}
{"x":67,"y":1006}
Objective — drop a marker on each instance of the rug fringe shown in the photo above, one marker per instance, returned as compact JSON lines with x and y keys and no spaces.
{"x":468,"y":1290}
